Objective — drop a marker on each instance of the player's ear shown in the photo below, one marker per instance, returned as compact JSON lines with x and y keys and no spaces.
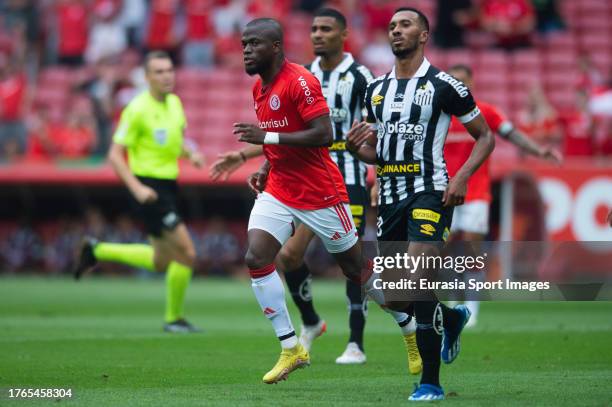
{"x":344,"y":34}
{"x":424,"y":37}
{"x":278,"y":47}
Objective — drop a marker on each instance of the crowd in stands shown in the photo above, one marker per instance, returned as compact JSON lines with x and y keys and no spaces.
{"x":68,"y":67}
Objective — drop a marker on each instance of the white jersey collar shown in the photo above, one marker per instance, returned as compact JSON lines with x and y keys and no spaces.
{"x":419,"y":73}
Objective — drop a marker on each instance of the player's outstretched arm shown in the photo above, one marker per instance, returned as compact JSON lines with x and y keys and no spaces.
{"x":361,"y":141}
{"x":529,"y":146}
{"x":318,"y":134}
{"x":485,"y":142}
{"x":142,"y":193}
{"x":230,"y":161}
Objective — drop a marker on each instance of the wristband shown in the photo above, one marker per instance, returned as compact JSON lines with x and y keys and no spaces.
{"x":271,"y":138}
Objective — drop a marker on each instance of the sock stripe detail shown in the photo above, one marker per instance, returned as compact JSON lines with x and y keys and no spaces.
{"x":405,"y":322}
{"x":262,"y":272}
{"x":289,"y":335}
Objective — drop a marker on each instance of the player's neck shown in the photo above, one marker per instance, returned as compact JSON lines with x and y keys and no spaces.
{"x":268,"y":76}
{"x":406,"y":67}
{"x":330,"y":62}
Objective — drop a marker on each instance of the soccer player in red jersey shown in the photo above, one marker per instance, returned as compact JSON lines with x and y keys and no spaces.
{"x":471,"y":220}
{"x":297,"y":184}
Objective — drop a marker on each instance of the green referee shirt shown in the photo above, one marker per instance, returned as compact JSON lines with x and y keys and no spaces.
{"x":152,"y":132}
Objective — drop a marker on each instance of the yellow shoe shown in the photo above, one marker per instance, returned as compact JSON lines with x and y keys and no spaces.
{"x":415,"y":364}
{"x":289,"y":360}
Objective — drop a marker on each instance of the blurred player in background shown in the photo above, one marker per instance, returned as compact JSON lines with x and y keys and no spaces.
{"x":151,"y":132}
{"x":410,"y":108}
{"x":344,"y":83}
{"x":471,"y":220}
{"x":298,"y":183}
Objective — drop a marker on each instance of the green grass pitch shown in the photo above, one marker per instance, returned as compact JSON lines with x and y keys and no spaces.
{"x":102,"y":338}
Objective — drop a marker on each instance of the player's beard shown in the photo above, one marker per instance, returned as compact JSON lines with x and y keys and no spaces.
{"x":403,"y":53}
{"x":256,"y":69}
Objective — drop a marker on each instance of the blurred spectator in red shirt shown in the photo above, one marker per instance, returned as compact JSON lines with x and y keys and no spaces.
{"x":198,"y":49}
{"x":161,"y":33}
{"x":231,"y":55}
{"x":72,"y":28}
{"x":452,"y":19}
{"x":511,"y":21}
{"x":539,"y":119}
{"x":74,"y":139}
{"x":578,"y":127}
{"x":378,"y":13}
{"x":107,"y":37}
{"x":14,"y":101}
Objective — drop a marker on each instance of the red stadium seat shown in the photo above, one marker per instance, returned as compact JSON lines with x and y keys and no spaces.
{"x":560,"y":60}
{"x":464,"y":57}
{"x":492,"y":60}
{"x":525,"y":60}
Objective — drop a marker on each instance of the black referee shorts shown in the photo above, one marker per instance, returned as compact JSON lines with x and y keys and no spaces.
{"x":162,"y":214}
{"x":359,"y":201}
{"x":419,"y":218}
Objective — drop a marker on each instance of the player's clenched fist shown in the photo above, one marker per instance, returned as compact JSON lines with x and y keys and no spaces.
{"x":249,"y":133}
{"x":357,"y":135}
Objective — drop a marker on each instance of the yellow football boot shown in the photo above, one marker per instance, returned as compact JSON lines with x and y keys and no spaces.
{"x":289,"y":360}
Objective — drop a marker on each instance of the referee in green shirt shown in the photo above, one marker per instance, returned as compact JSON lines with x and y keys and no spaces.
{"x":151,"y":132}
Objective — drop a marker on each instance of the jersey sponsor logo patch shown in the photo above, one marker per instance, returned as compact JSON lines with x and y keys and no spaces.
{"x":338,"y":146}
{"x":160,"y":136}
{"x":357,"y":210}
{"x":377,"y":100}
{"x":427,"y":229}
{"x":306,"y":89}
{"x":426,"y":214}
{"x":461,"y":89}
{"x":338,"y":115}
{"x":275,"y":102}
{"x":396,"y":107}
{"x":410,"y":167}
{"x":424,"y":95}
{"x":274,"y":124}
{"x":406,"y":131}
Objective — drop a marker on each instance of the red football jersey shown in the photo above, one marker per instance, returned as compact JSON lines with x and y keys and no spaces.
{"x":301,"y":177}
{"x":459,"y":145}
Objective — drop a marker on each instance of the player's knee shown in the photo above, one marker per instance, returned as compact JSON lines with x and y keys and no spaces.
{"x":189,"y":255}
{"x":160,"y":263}
{"x":288,"y":259}
{"x":255,"y":260}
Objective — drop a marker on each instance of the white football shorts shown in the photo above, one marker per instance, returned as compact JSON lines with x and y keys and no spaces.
{"x":333,"y":225}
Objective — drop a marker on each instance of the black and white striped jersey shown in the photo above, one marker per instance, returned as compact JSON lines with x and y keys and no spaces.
{"x":344,"y":89}
{"x":412,"y":117}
